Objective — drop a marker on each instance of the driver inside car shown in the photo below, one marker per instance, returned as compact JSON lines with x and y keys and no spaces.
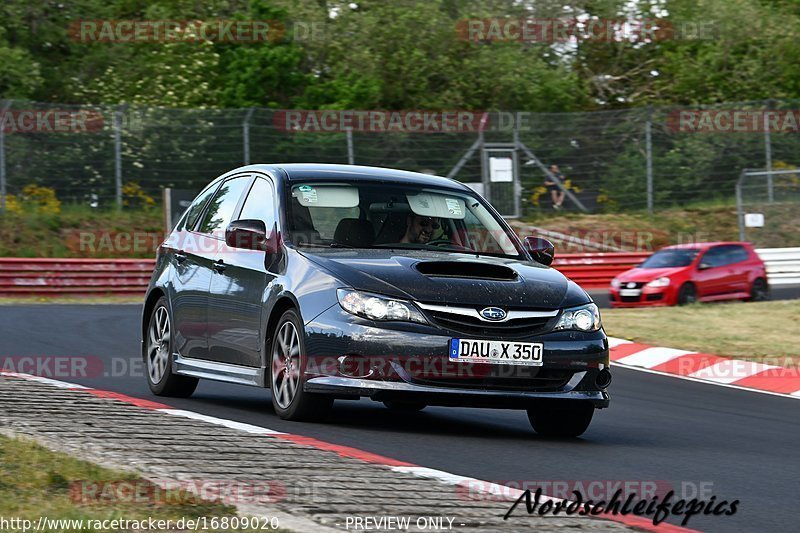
{"x":420,"y":229}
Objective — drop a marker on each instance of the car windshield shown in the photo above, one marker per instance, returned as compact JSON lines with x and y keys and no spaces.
{"x":380,"y":215}
{"x":670,"y":258}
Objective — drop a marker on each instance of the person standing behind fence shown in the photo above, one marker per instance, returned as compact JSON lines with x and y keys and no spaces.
{"x":556,"y":193}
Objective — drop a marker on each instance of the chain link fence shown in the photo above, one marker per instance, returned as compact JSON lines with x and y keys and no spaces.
{"x":767,"y":206}
{"x":619,"y":160}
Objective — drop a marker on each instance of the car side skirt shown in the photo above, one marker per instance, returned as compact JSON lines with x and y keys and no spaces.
{"x":200,"y":368}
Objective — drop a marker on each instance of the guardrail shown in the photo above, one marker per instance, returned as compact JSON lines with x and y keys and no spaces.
{"x":783,"y":265}
{"x":74,"y":277}
{"x":86,"y":277}
{"x":596,"y":270}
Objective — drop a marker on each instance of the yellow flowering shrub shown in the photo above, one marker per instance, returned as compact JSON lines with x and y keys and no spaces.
{"x":134,"y":195}
{"x":37,"y":199}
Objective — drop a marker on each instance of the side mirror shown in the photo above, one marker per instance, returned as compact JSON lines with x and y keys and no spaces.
{"x":249,"y":235}
{"x":540,"y":249}
{"x":704,"y":266}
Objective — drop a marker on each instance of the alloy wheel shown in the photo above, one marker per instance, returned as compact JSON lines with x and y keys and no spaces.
{"x":158,"y":345}
{"x":286,"y":365}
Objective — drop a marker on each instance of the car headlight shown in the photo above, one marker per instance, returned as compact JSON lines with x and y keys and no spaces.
{"x":583,"y":318}
{"x":657,"y":283}
{"x":615,"y":283}
{"x":375,"y":307}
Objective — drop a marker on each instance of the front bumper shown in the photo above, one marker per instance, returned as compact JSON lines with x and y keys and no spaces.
{"x":649,"y":297}
{"x":410,"y":362}
{"x":448,"y":396}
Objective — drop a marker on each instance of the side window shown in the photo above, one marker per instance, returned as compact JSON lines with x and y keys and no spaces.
{"x":220,"y":210}
{"x":716,"y":257}
{"x":197,"y":207}
{"x":738,"y":254}
{"x":260,"y":204}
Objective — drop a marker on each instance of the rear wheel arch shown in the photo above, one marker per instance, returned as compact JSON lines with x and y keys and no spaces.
{"x":759,"y":289}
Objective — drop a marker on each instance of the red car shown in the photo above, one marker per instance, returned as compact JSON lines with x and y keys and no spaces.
{"x":688,"y":273}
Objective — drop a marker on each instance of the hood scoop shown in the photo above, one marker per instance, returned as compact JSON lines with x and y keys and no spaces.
{"x":466,"y":270}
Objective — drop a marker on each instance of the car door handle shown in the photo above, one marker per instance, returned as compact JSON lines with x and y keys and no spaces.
{"x":180,"y":257}
{"x":220,"y":266}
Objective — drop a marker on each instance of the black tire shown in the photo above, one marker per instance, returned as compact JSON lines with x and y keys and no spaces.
{"x":160,"y":378}
{"x":565,"y":418}
{"x":301,"y":405}
{"x":687,"y":294}
{"x":407,"y":407}
{"x":759,"y":292}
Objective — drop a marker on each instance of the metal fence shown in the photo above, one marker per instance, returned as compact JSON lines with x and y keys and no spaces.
{"x":768,"y":205}
{"x":618,"y":160}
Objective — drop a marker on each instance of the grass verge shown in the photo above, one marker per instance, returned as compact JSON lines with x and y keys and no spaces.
{"x":35,"y":481}
{"x":757,"y":331}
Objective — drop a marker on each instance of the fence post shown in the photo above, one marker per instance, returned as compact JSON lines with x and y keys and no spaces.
{"x":351,"y":156}
{"x":3,"y":186}
{"x":648,"y":142}
{"x":246,"y":135}
{"x":516,"y":176}
{"x":118,"y":154}
{"x":739,"y":207}
{"x":768,"y":153}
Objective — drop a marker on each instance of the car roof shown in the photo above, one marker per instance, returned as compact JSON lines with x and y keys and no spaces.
{"x":702,"y":245}
{"x":331,"y":172}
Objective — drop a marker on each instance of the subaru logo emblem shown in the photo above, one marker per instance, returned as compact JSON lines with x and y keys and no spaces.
{"x":493,"y":313}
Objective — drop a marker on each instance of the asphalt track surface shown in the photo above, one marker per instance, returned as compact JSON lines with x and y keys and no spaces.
{"x":744,"y":444}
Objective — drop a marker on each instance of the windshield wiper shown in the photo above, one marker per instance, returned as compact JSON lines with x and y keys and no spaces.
{"x":320,"y":245}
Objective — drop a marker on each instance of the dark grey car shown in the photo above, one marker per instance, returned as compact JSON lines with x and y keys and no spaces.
{"x":324,"y":282}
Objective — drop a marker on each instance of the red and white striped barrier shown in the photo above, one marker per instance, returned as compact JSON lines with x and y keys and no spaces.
{"x":705,"y":367}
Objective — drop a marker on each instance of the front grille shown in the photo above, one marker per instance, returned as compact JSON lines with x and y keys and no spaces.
{"x":518,"y":327}
{"x":538,"y":379}
{"x":627,"y":285}
{"x":631,"y":285}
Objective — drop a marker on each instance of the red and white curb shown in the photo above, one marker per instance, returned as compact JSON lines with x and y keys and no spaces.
{"x":707,"y":368}
{"x":489,"y":489}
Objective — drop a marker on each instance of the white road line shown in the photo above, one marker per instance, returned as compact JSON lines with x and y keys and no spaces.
{"x":40,"y":379}
{"x":232,"y":424}
{"x":477,"y":485}
{"x":650,"y":357}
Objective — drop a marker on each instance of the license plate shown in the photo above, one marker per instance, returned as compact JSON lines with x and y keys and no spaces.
{"x":630,"y":292}
{"x":498,"y":352}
